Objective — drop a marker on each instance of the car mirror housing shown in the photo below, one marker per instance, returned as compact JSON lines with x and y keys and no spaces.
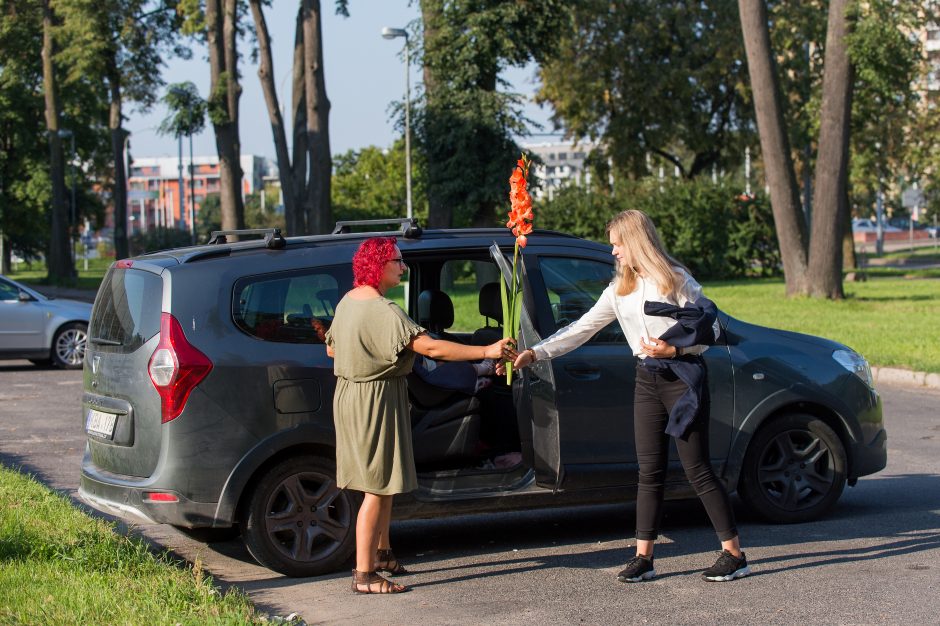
{"x":25,"y":297}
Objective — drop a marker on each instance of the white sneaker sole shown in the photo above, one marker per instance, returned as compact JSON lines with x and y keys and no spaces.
{"x":644,"y":576}
{"x":741,"y":573}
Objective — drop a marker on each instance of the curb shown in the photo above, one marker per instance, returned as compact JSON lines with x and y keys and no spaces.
{"x":897,"y":376}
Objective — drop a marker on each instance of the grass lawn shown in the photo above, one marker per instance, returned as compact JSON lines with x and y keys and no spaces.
{"x":60,"y":566}
{"x":891,"y":321}
{"x":34,"y":274}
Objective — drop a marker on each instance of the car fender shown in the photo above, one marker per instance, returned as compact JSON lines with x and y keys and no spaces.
{"x":798,"y":397}
{"x":303,"y":438}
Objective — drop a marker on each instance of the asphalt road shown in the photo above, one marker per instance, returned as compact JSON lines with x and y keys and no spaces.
{"x":874,"y":560}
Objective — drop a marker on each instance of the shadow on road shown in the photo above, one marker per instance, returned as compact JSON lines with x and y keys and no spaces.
{"x":892,"y":516}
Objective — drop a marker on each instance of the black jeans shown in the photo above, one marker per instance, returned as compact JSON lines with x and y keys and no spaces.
{"x":655,"y":394}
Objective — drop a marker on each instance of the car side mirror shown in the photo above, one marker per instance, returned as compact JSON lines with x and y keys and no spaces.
{"x":25,"y":297}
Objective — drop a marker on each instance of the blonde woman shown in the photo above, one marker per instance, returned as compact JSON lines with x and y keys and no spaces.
{"x":669,"y":324}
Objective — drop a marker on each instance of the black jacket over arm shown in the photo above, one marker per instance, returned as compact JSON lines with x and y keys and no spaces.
{"x":696,"y":326}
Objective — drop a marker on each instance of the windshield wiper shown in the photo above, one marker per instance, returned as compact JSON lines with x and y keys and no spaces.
{"x":99,"y":341}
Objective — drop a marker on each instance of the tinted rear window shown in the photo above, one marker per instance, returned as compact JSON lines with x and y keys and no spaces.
{"x":290,"y":307}
{"x":127,"y":310}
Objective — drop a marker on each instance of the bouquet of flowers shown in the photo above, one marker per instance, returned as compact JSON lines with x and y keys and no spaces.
{"x":520,"y":223}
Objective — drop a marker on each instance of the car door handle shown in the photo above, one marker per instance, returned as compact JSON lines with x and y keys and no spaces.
{"x":583,"y":371}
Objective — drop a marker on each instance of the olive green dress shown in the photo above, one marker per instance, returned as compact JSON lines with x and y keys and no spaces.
{"x":370,"y":407}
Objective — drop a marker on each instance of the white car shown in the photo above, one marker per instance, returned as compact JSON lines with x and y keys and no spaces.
{"x":42,"y":329}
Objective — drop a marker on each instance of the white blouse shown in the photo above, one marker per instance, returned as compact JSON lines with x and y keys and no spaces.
{"x":628,"y":311}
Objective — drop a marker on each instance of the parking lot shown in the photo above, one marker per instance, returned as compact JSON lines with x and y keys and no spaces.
{"x":875,"y":559}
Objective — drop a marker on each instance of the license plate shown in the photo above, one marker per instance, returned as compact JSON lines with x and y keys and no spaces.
{"x":100,"y":423}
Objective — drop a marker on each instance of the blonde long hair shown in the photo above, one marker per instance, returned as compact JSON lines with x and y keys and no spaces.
{"x":647,"y":255}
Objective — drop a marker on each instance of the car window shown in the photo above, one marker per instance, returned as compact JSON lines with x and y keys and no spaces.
{"x":8,"y":291}
{"x":573,"y":285}
{"x":290,"y":307}
{"x":127,"y":310}
{"x":462,"y":280}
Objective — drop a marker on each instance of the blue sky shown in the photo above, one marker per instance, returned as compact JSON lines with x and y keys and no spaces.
{"x":364,"y":75}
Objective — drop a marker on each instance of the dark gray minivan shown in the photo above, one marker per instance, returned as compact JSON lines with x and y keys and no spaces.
{"x":208,"y":394}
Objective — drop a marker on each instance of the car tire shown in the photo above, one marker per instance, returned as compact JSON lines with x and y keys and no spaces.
{"x":68,"y":346}
{"x":297,"y":522}
{"x":794,"y":469}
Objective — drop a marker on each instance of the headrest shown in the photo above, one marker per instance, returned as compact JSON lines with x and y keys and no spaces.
{"x":491,"y":305}
{"x":435,"y":310}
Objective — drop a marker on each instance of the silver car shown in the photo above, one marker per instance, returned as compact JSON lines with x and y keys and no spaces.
{"x":42,"y":329}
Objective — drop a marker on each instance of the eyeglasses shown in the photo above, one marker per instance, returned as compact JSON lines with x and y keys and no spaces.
{"x":399,"y":260}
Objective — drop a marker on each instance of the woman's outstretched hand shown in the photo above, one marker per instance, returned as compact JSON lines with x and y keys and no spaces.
{"x":523,"y":359}
{"x":502,"y":350}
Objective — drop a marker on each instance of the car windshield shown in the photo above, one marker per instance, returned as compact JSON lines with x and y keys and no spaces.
{"x":10,"y":290}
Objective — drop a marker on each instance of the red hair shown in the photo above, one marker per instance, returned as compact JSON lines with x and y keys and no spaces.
{"x":370,"y":259}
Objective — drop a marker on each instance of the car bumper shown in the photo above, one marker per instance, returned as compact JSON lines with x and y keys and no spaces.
{"x":132,"y":503}
{"x":873,"y":456}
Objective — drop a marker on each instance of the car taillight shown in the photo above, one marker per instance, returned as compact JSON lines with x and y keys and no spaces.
{"x":176,"y":367}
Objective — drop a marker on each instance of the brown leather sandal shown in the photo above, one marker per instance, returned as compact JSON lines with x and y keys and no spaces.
{"x":385,"y":561}
{"x":370,"y":579}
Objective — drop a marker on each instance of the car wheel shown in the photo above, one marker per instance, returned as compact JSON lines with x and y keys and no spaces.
{"x":794,"y":469}
{"x":68,"y":346}
{"x":297,"y":522}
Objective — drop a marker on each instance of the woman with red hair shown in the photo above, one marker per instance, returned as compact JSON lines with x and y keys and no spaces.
{"x":374,"y":343}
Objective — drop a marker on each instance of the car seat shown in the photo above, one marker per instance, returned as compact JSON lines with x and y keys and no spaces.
{"x":491,"y":308}
{"x":436,"y":313}
{"x":445,"y":424}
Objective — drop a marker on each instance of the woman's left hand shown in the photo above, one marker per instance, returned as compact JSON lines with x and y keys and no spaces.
{"x":657,"y":348}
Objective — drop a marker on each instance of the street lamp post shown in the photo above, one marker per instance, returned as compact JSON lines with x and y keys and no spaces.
{"x":392,"y":33}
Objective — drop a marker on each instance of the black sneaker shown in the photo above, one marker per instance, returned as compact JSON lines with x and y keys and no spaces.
{"x":727,"y":567}
{"x":638,"y":569}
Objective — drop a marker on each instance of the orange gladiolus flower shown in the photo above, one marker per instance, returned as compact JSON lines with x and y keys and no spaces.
{"x":520,"y":224}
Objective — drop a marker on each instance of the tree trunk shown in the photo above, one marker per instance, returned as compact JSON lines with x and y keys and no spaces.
{"x":266,"y":74}
{"x":849,"y":259}
{"x":299,"y":128}
{"x":223,"y":103}
{"x":830,"y":200}
{"x":440,"y":214}
{"x":118,"y":136}
{"x":775,"y":145}
{"x":319,"y":213}
{"x":59,"y":263}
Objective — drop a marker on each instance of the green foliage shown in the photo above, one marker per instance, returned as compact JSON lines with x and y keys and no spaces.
{"x":209,"y":216}
{"x":704,"y":225}
{"x":653,"y":78}
{"x":187,"y":110}
{"x":159,"y":238}
{"x":371,"y":182}
{"x":217,"y":105}
{"x":465,"y":119}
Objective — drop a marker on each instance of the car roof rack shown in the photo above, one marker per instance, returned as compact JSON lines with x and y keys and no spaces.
{"x":410,"y":229}
{"x":272,"y":236}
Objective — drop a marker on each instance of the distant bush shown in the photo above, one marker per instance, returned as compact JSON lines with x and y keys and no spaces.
{"x":716,"y":233}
